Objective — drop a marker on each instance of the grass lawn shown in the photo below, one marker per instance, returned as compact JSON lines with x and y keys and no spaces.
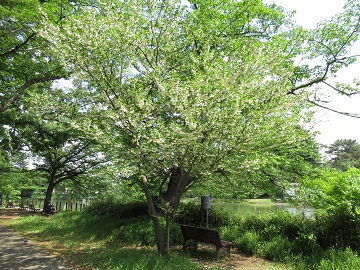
{"x":101,"y":242}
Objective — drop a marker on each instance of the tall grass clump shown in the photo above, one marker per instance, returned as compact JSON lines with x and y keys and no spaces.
{"x":247,"y":242}
{"x":339,"y":259}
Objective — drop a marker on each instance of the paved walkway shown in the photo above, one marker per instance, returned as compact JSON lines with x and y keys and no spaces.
{"x":15,"y":254}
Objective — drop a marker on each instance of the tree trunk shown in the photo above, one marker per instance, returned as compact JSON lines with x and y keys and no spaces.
{"x":154,"y":217}
{"x":167,"y":232}
{"x":48,"y":197}
{"x":179,"y":179}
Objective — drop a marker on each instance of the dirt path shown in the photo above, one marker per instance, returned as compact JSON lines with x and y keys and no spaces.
{"x":234,"y":262}
{"x":17,"y":254}
{"x":14,"y":254}
{"x":11,"y":213}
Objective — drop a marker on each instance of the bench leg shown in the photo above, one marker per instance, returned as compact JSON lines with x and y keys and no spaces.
{"x":217,"y":252}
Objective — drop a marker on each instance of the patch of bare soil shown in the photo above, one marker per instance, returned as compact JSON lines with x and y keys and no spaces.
{"x":238,"y":261}
{"x":205,"y":256}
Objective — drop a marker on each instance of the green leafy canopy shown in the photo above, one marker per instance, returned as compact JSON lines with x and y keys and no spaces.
{"x":182,"y":86}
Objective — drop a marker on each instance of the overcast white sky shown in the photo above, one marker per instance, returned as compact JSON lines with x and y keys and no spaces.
{"x":331,"y":125}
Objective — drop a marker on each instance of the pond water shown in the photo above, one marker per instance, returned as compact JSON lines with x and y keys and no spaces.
{"x":245,"y":208}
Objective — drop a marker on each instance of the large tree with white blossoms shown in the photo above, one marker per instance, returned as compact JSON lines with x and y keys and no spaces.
{"x":186,"y":92}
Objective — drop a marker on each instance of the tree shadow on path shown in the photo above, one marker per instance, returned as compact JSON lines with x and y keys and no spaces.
{"x":16,"y":254}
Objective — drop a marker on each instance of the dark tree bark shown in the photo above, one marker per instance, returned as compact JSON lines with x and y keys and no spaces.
{"x":48,"y":197}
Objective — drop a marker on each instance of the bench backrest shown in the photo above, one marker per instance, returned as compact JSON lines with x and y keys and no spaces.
{"x":201,"y":234}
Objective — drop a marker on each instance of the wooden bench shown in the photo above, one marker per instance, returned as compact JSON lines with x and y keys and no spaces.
{"x":32,"y":208}
{"x":203,"y":235}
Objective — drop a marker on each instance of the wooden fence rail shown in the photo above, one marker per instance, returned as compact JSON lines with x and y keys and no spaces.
{"x":58,"y":204}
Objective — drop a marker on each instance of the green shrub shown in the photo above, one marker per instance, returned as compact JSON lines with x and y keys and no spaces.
{"x":248,"y":242}
{"x":287,"y":224}
{"x":307,"y":244}
{"x":191,"y":214}
{"x":256,"y":222}
{"x":232,"y":232}
{"x":114,"y":207}
{"x":273,"y":224}
{"x":276,"y":249}
{"x":339,"y":228}
{"x":337,"y":193}
{"x":251,"y":231}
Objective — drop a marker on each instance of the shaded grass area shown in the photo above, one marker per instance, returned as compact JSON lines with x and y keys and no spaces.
{"x":100,"y":242}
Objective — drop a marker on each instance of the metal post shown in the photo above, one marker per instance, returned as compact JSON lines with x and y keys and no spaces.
{"x":205,"y":206}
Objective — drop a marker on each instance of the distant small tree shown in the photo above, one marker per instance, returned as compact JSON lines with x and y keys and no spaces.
{"x":344,"y":153}
{"x":64,"y":154}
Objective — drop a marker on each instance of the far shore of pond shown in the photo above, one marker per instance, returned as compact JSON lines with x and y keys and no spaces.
{"x":257,"y":206}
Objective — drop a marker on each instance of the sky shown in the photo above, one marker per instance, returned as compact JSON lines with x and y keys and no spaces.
{"x":331,"y":125}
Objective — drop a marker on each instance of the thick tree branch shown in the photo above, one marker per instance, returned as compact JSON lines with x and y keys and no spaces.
{"x":17,"y":47}
{"x":25,"y":86}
